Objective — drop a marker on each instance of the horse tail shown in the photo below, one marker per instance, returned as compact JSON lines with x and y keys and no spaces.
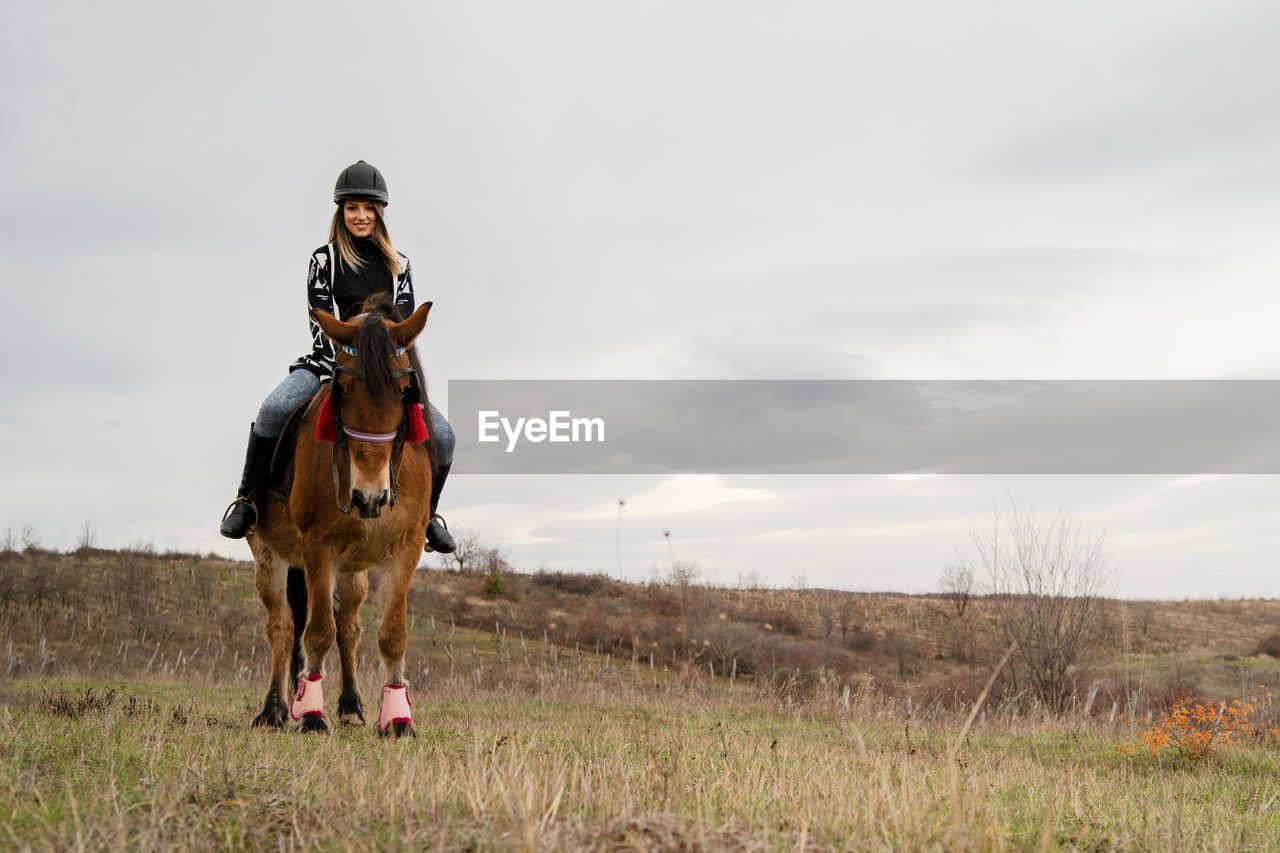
{"x":296,"y":593}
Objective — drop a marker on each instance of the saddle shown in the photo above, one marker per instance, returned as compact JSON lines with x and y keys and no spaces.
{"x":280,"y":475}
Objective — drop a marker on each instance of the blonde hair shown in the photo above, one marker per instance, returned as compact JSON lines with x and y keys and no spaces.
{"x":339,"y":235}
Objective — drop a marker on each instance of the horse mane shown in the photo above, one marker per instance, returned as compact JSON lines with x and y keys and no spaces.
{"x":374,"y":345}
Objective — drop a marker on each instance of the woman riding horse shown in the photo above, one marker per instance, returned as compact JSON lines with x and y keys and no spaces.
{"x":358,"y":262}
{"x":353,"y":451}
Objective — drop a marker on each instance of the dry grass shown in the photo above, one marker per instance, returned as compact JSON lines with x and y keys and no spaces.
{"x":591,"y":766}
{"x":131,"y":680}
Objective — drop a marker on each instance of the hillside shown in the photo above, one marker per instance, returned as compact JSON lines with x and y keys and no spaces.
{"x":122,"y":614}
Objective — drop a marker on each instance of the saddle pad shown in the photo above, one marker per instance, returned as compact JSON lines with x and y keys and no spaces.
{"x":281,"y":476}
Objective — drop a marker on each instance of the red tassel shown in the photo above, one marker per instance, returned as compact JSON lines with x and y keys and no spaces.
{"x":324,"y":426}
{"x":417,"y":430}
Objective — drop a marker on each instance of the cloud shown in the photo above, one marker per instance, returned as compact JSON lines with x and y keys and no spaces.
{"x":1193,"y":101}
{"x":661,"y":189}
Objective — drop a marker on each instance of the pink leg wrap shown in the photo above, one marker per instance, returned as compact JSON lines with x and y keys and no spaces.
{"x":308,"y":702}
{"x":396,"y":707}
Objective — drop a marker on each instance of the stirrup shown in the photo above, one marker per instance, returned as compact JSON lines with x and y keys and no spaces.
{"x":247,"y":502}
{"x":427,"y":547}
{"x":239,"y":501}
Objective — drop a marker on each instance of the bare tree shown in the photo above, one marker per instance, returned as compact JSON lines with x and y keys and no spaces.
{"x":203,"y":582}
{"x":1047,"y":578}
{"x":86,"y":537}
{"x":30,"y":536}
{"x":736,"y":648}
{"x":683,"y":575}
{"x":846,"y":612}
{"x":468,"y":552}
{"x":1144,"y":617}
{"x":827,"y":616}
{"x":231,"y":618}
{"x":827,"y":612}
{"x":956,"y":583}
{"x":492,"y":561}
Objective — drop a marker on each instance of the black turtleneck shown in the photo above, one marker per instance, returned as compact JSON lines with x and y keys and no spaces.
{"x":351,"y":287}
{"x":335,"y":289}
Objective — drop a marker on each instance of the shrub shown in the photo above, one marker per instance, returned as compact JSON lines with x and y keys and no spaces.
{"x":859,"y":640}
{"x":572,"y":583}
{"x":902,"y":649}
{"x":662,"y":601}
{"x":802,"y":657}
{"x":884,"y":685}
{"x":533,"y":613}
{"x":1269,"y":645}
{"x":782,"y":621}
{"x":591,"y":629}
{"x":1194,"y":726}
{"x":951,"y":691}
{"x":492,"y":586}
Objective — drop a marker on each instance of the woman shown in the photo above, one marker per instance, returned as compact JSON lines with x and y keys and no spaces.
{"x":358,"y":262}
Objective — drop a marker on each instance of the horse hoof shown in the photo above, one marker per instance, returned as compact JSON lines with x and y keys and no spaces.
{"x":273,"y":715}
{"x":269,"y":718}
{"x":313,"y":723}
{"x":350,"y":710}
{"x":399,"y":730}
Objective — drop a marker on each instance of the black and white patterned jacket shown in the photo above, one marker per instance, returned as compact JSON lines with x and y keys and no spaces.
{"x":320,"y":278}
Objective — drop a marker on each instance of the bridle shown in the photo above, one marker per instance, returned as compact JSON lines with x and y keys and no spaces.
{"x":411,"y":396}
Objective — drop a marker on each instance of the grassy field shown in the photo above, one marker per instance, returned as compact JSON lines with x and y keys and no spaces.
{"x":586,"y":764}
{"x":582,"y":713}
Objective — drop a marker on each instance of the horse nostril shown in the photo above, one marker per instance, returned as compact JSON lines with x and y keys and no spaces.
{"x":369,"y":507}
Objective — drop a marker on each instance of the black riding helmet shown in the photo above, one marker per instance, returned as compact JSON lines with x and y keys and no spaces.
{"x":360,"y":180}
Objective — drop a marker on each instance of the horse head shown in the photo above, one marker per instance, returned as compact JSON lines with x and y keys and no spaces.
{"x":373,"y":395}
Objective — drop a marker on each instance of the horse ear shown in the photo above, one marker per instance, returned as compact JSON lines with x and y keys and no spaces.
{"x":404,"y":333}
{"x":334,"y":329}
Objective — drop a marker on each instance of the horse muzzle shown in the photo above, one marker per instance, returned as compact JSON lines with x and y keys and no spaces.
{"x":369,"y":505}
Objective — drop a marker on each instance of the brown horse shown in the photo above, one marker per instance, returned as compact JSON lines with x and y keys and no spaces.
{"x":350,"y":453}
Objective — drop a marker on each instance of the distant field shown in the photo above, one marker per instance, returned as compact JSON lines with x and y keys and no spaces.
{"x":124,"y":614}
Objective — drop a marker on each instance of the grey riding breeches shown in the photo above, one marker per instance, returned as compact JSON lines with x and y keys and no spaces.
{"x":301,"y":385}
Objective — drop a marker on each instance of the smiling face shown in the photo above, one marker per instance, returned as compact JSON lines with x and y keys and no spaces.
{"x":360,"y":216}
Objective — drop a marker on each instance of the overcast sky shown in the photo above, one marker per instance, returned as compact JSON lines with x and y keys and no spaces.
{"x":590,"y":190}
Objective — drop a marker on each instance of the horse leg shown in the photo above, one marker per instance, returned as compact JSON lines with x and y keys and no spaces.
{"x":317,"y":638}
{"x":393,"y":637}
{"x":352,"y":589}
{"x":297,"y":593}
{"x":269,"y":578}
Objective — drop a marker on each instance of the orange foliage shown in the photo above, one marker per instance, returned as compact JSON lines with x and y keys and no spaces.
{"x":1195,"y":726}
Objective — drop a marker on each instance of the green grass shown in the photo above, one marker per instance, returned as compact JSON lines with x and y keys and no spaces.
{"x":581,"y":766}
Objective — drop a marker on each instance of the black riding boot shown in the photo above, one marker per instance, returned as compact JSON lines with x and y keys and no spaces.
{"x":438,"y":537}
{"x":243,"y":514}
